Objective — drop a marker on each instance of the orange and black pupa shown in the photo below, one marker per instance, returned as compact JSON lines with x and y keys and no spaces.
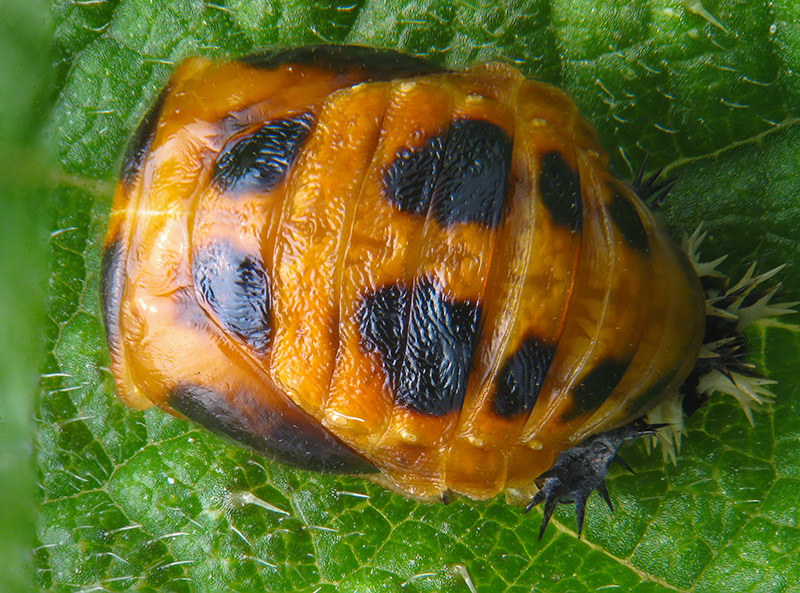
{"x":354,"y":260}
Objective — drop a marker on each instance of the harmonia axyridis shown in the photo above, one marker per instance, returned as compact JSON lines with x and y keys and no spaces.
{"x":354,"y":260}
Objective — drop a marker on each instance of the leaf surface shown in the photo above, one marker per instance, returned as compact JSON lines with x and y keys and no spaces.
{"x":143,"y":501}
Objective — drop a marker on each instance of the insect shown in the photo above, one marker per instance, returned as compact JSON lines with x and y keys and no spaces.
{"x":354,"y":260}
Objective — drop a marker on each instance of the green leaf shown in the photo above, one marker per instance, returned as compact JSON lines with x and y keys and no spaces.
{"x":25,"y":35}
{"x":143,"y":501}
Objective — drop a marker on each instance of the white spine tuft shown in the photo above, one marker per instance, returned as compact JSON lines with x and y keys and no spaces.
{"x":740,"y":382}
{"x":749,"y":391}
{"x":691,"y":245}
{"x":668,"y":412}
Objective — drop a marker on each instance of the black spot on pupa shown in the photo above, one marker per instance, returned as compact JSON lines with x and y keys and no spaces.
{"x":627,"y":220}
{"x":410,"y":179}
{"x":595,"y":387}
{"x":112,"y":286}
{"x":235,"y":286}
{"x":289,"y":436}
{"x":257,"y":162}
{"x":383,"y":324}
{"x":438,"y":357}
{"x":460,"y":175}
{"x":473,"y":182}
{"x":425,"y":341}
{"x":376,"y":64}
{"x":141,"y":140}
{"x":560,"y":188}
{"x":521,"y":377}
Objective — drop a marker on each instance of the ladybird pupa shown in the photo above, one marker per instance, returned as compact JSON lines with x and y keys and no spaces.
{"x":363,"y":262}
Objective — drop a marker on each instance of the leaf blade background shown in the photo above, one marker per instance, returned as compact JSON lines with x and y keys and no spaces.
{"x":140,"y":500}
